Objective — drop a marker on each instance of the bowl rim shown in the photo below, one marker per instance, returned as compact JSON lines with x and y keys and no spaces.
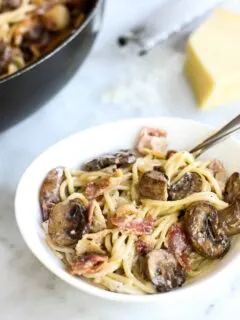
{"x":55,"y":50}
{"x":92,"y":289}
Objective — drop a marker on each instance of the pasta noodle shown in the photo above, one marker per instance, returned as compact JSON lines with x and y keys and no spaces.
{"x":167,"y":207}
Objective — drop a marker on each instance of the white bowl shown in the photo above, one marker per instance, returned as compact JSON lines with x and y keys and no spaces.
{"x":73,"y":151}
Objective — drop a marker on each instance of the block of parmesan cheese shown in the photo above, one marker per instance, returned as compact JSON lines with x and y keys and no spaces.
{"x":213,"y":59}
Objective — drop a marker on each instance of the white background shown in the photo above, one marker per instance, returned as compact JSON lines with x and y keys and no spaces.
{"x":111,"y":85}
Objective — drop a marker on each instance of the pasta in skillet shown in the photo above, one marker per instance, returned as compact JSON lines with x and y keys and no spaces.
{"x":31,"y":28}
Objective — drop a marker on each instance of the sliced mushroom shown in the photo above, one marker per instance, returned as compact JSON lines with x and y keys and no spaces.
{"x":5,"y":56}
{"x":229,"y":219}
{"x":190,"y":183}
{"x":10,"y":4}
{"x":120,"y":159}
{"x":34,"y":38}
{"x":200,"y":221}
{"x":49,"y":192}
{"x":232,"y":190}
{"x":35,"y":33}
{"x":163,"y":270}
{"x":56,"y":18}
{"x":153,"y":185}
{"x":96,"y":188}
{"x":68,"y":222}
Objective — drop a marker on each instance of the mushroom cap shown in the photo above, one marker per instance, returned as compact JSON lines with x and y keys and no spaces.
{"x":163,"y":270}
{"x":67,"y":222}
{"x":229,"y":219}
{"x":200,"y":222}
{"x":49,"y":191}
{"x":122,"y":158}
{"x":153,"y":185}
{"x":190,"y":183}
{"x":232,"y":189}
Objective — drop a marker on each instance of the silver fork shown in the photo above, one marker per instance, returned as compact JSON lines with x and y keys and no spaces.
{"x":230,"y":128}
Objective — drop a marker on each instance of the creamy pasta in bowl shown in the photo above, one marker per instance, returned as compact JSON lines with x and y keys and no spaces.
{"x":125,"y":212}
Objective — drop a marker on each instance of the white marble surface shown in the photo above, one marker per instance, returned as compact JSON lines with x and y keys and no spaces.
{"x":97,"y":94}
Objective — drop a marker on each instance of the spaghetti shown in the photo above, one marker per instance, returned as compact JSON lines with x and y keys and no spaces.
{"x":128,"y":231}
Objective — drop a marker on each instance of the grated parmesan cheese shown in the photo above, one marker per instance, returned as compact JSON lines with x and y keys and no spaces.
{"x":148,"y":80}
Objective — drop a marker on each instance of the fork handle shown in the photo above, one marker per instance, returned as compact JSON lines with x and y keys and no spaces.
{"x":223,"y":133}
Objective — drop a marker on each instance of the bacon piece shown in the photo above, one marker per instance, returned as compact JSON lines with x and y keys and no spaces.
{"x":126,"y":218}
{"x":144,"y":245}
{"x":136,"y":225}
{"x":151,"y":139}
{"x":170,"y":153}
{"x":163,"y":270}
{"x":88,"y":263}
{"x":49,"y":191}
{"x":178,"y":245}
{"x":96,"y":188}
{"x":219,"y":172}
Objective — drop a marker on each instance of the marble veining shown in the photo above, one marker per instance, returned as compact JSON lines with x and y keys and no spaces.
{"x":28,"y":290}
